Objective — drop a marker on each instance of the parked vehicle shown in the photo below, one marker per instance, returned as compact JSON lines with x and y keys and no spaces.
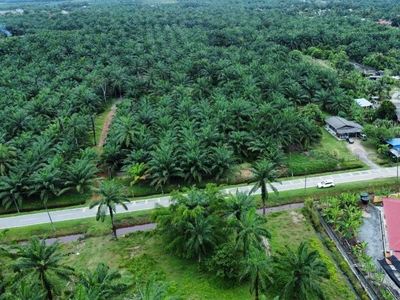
{"x":363,"y":136}
{"x":349,"y":140}
{"x":325,"y":184}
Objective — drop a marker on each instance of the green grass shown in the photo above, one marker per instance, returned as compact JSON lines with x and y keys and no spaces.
{"x":143,"y":253}
{"x":332,"y":145}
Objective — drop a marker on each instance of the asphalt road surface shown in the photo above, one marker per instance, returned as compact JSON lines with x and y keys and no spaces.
{"x":137,"y":205}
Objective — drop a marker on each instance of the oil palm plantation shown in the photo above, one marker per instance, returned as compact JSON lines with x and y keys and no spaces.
{"x":302,"y":273}
{"x":111,"y":195}
{"x":40,"y":264}
{"x":264,"y":173}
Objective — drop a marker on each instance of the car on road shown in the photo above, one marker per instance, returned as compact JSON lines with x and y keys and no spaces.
{"x":325,"y":184}
{"x":350,"y":140}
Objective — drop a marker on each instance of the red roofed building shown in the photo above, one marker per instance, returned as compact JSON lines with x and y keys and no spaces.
{"x":392,"y":216}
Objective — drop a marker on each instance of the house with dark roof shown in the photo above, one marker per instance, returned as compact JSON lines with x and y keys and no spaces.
{"x":342,"y":127}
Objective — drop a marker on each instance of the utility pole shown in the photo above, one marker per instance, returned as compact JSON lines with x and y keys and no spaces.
{"x":305,"y":181}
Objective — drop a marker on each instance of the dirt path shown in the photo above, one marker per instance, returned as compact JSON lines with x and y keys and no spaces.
{"x":358,"y":149}
{"x":104,"y":131}
{"x":107,"y":123}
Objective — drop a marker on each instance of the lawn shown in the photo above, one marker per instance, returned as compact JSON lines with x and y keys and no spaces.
{"x":333,"y":146}
{"x":142,"y":253}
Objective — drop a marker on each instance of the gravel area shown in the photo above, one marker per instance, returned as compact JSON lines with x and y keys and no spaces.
{"x":371,"y":233}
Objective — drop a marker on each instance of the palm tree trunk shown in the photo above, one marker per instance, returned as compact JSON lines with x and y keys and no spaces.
{"x":263,"y":196}
{"x":256,"y":287}
{"x":48,"y":213}
{"x":15,"y":202}
{"x":94,"y":131}
{"x":113,"y":224}
{"x":48,"y":289}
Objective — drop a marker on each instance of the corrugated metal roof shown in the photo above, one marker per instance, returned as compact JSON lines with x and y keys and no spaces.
{"x":342,"y":125}
{"x":395,"y":143}
{"x":363,"y":102}
{"x":392,"y":212}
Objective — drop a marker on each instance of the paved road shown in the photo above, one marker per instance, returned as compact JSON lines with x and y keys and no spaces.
{"x":85,"y":212}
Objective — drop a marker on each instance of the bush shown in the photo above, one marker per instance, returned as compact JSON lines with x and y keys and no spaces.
{"x":225,"y":262}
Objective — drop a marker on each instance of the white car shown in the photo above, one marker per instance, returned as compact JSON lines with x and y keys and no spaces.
{"x":325,"y":184}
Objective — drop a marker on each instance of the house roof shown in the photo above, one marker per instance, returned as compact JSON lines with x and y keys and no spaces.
{"x":363,"y":102}
{"x":342,"y":125}
{"x":395,"y":143}
{"x":392,"y":211}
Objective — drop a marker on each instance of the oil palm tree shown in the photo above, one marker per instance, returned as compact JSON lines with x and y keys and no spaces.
{"x":39,"y":263}
{"x":151,"y":290}
{"x":7,"y":156}
{"x":80,"y":176}
{"x":199,"y":236}
{"x":163,"y":164}
{"x":258,"y":269}
{"x":101,"y":283}
{"x":26,"y":290}
{"x":111,"y":195}
{"x":46,"y":182}
{"x":12,"y":189}
{"x":238,"y":204}
{"x":249,"y":231}
{"x":264,"y":173}
{"x":302,"y":272}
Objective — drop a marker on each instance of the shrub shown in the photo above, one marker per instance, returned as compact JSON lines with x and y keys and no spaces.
{"x":225,"y":262}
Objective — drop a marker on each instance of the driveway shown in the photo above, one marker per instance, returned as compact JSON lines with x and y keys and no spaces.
{"x":396,"y":101}
{"x":361,"y":153}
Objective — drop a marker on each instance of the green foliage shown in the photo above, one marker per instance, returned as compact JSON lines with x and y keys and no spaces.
{"x":190,"y":225}
{"x":264,"y":172}
{"x":386,"y":111}
{"x":39,"y":264}
{"x":343,"y":213}
{"x":312,"y":112}
{"x":102,"y":283}
{"x":135,"y":173}
{"x":314,"y":162}
{"x":111,"y":195}
{"x":302,"y":271}
{"x":225,"y":262}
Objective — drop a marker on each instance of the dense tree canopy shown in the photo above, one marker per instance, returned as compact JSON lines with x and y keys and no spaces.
{"x":205,"y":85}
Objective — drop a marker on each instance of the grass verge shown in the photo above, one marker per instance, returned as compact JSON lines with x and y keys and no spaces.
{"x":88,"y":226}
